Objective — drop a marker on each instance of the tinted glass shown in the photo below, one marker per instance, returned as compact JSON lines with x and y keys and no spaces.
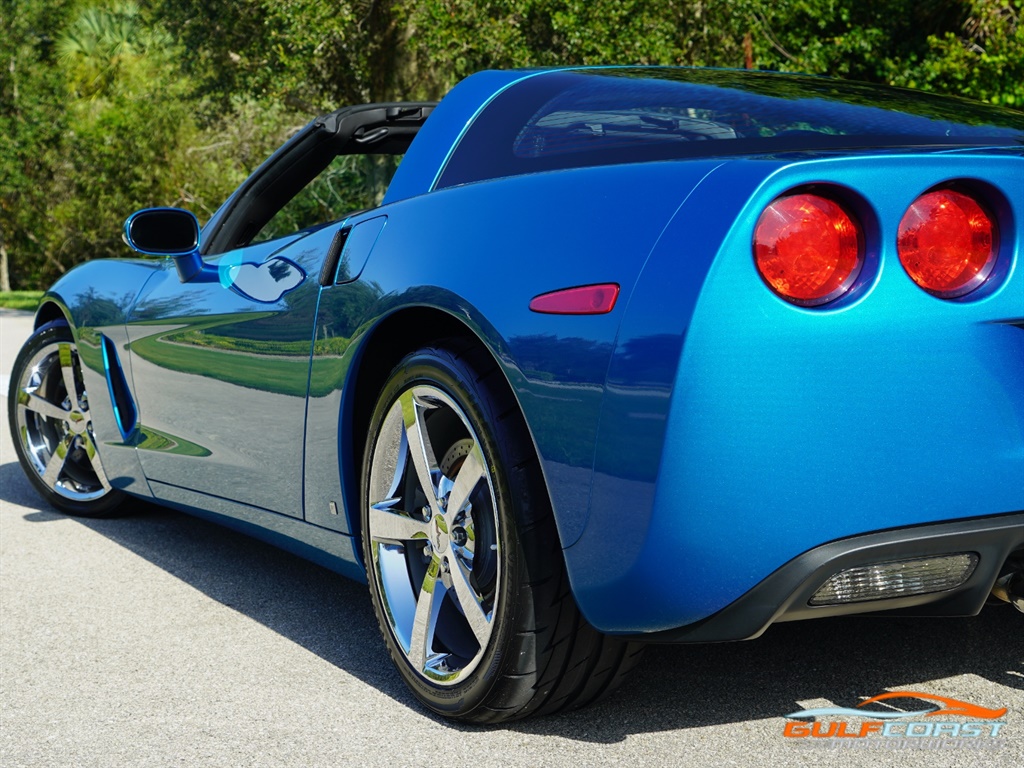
{"x":580,"y":118}
{"x":350,"y":183}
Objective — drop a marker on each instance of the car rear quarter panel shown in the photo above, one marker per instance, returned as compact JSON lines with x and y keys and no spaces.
{"x":480,"y":253}
{"x":786,"y":427}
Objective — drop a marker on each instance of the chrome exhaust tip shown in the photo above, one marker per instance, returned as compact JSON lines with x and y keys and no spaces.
{"x":1010,"y":589}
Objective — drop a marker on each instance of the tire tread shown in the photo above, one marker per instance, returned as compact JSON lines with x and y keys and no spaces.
{"x":556,"y":661}
{"x":576,"y":664}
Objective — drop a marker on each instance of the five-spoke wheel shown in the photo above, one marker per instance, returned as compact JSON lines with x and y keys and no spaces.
{"x":462,"y":555}
{"x":52,"y":426}
{"x":434,"y":542}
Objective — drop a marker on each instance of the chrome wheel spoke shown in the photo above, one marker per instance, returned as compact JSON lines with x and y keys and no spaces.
{"x":89,"y":444}
{"x":469,"y":602}
{"x":55,"y":465}
{"x":422,"y":635}
{"x":67,"y":369}
{"x":36,"y":404}
{"x":470,"y":475}
{"x":395,"y":525}
{"x":421,"y":452}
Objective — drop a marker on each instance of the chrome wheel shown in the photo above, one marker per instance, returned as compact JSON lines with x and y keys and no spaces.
{"x":53,"y":424}
{"x":433,"y":534}
{"x":462,"y":554}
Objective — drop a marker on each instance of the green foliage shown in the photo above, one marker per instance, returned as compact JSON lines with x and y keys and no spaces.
{"x":76,"y":143}
{"x":308,"y":54}
{"x":111,"y":105}
{"x":972,"y":48}
{"x":31,"y":128}
{"x":460,"y":37}
{"x":108,"y":48}
{"x":101,"y":120}
{"x":351,"y":183}
{"x":984,"y":61}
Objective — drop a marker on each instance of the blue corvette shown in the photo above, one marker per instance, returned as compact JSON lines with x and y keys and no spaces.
{"x":618,"y":355}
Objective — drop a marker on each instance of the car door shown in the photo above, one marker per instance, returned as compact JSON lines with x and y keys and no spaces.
{"x":220,"y":349}
{"x":221,"y":367}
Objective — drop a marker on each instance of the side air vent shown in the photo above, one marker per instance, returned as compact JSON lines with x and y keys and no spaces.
{"x":125,"y":412}
{"x":329,"y":271}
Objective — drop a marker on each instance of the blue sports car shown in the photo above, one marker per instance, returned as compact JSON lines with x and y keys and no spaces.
{"x":614,"y":356}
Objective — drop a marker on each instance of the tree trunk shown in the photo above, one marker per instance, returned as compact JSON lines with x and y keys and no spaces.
{"x":5,"y":272}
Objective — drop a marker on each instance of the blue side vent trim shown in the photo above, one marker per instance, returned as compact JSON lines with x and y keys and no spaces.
{"x":125,"y":412}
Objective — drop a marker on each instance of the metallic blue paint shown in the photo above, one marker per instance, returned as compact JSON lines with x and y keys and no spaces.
{"x":694,"y":440}
{"x":231,"y":375}
{"x":427,"y":156}
{"x":785,"y":428}
{"x":357,"y":248}
{"x":96,"y":298}
{"x":332,"y":550}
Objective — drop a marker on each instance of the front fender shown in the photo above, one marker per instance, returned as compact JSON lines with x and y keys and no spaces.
{"x":95,"y":299}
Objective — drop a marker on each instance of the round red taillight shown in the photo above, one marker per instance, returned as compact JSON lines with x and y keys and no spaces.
{"x":947,"y":242}
{"x":808,"y":249}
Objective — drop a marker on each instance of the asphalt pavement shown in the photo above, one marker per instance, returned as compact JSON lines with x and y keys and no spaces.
{"x":157,"y":639}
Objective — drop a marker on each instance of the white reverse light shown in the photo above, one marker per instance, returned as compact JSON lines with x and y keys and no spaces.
{"x":898,"y":578}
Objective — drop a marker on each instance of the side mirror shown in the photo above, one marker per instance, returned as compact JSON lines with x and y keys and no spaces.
{"x":166,"y":232}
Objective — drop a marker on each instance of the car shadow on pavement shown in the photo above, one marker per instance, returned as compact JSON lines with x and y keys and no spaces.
{"x":676,"y":687}
{"x":841,"y":661}
{"x":15,"y":488}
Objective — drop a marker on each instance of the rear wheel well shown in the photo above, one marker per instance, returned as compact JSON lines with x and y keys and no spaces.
{"x":393,"y":339}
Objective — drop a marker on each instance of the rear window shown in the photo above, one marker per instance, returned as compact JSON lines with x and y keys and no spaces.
{"x":579,"y":118}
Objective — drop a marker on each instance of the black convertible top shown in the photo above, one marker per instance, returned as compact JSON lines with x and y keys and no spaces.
{"x":386,"y":128}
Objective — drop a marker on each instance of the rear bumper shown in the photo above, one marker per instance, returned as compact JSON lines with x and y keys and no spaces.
{"x":785,"y":594}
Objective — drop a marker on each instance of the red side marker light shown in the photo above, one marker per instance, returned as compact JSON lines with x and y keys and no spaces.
{"x":808,"y":249}
{"x":584,"y":300}
{"x":947,"y":243}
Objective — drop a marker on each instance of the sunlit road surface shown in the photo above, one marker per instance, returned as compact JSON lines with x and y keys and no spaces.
{"x":160,"y":640}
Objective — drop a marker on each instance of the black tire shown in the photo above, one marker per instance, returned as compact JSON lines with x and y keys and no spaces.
{"x":51,"y":426}
{"x":504,"y":639}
